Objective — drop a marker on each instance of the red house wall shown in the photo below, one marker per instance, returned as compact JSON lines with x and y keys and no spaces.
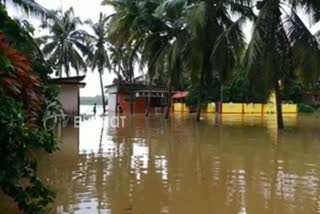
{"x":138,"y":107}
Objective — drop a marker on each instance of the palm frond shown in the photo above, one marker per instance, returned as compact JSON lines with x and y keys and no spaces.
{"x":306,"y":47}
{"x":31,"y":7}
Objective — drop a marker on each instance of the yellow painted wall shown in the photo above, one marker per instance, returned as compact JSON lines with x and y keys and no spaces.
{"x":180,"y":107}
{"x":289,"y":108}
{"x":269,"y":108}
{"x":177,"y":107}
{"x":235,"y":108}
{"x":186,"y":108}
{"x":272,"y":98}
{"x":211,"y":108}
{"x":252,"y":108}
{"x":241,"y":108}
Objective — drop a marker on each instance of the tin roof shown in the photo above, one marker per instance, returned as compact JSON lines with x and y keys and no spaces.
{"x":180,"y":94}
{"x":137,"y":87}
{"x":77,"y":80}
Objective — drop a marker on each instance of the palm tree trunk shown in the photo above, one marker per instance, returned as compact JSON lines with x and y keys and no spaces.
{"x":221,"y":97}
{"x":131,"y":84}
{"x":61,"y":70}
{"x":131,"y":95}
{"x":169,"y":101}
{"x":199,"y":107}
{"x":66,"y":70}
{"x":117,"y":94}
{"x":102,"y":91}
{"x":149,"y":98}
{"x":279,"y":106}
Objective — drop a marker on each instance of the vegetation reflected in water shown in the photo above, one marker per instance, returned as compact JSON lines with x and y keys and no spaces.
{"x":237,"y":164}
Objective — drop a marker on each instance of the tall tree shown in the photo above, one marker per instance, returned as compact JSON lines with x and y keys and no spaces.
{"x":98,"y":57}
{"x":122,"y":59}
{"x":215,"y":40}
{"x":29,"y":7}
{"x":125,"y":29}
{"x":116,"y":59}
{"x":154,"y":29}
{"x":281,"y":46}
{"x":173,"y":37}
{"x":65,"y":45}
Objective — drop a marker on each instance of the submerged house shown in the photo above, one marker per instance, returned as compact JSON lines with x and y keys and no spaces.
{"x":119,"y":98}
{"x":69,"y":95}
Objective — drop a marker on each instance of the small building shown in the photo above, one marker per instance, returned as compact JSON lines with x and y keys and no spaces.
{"x":312,"y":95}
{"x":69,"y":95}
{"x":119,"y":98}
{"x":312,"y":98}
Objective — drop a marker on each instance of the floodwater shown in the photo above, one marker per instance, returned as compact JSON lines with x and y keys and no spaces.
{"x":88,"y":109}
{"x":234,"y":164}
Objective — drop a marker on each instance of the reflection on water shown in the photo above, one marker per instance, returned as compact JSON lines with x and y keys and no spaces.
{"x":234,"y":164}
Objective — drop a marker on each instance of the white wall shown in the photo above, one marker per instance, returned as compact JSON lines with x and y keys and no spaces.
{"x":69,"y":98}
{"x":112,"y":98}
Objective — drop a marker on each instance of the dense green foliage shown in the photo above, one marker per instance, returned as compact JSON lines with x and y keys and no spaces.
{"x":187,"y":45}
{"x":307,"y":109}
{"x":20,"y":38}
{"x":281,"y":48}
{"x":18,"y":166}
{"x":200,"y":41}
{"x":208,"y":95}
{"x":181,"y":40}
{"x":24,"y":96}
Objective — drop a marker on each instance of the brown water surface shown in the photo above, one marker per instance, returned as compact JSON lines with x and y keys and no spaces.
{"x":237,"y":164}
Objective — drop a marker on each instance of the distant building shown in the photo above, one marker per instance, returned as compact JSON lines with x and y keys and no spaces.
{"x":119,"y":98}
{"x":69,"y":95}
{"x":312,"y":98}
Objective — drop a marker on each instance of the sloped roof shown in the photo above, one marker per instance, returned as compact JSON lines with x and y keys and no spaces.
{"x":180,"y":94}
{"x":77,"y":80}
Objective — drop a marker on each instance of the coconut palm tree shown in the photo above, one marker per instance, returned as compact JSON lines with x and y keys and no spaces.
{"x":65,"y":46}
{"x":150,"y":54}
{"x":29,"y":7}
{"x":150,"y":28}
{"x":122,"y":59}
{"x":116,"y":61}
{"x":281,"y":46}
{"x":98,"y":57}
{"x":125,"y":28}
{"x":216,"y":40}
{"x":172,"y":37}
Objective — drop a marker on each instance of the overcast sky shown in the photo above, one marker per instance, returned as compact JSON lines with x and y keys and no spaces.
{"x":90,"y":9}
{"x":85,"y":9}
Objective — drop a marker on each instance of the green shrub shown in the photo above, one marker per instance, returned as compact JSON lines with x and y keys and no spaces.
{"x":304,"y":108}
{"x":18,"y":167}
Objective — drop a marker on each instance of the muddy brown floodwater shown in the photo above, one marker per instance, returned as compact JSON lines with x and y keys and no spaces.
{"x":235,"y":164}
